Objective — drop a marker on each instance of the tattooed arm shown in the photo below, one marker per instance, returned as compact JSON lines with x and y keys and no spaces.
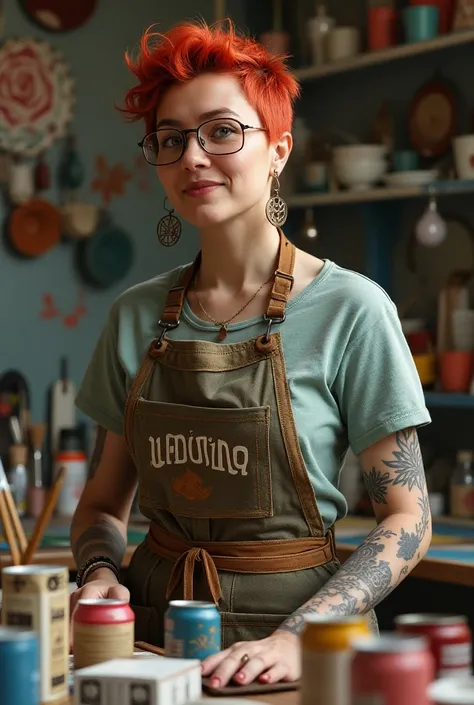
{"x":395,"y":479}
{"x":99,"y":526}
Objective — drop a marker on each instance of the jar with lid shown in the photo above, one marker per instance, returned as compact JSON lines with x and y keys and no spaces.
{"x":462,"y":486}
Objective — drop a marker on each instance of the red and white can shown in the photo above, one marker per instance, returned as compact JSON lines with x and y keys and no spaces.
{"x":392,"y":669}
{"x":102,"y":630}
{"x":449,"y":638}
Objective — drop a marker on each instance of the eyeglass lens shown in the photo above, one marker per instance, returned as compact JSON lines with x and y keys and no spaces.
{"x":220,"y":136}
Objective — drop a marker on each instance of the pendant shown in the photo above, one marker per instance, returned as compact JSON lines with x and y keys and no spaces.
{"x":223,"y":332}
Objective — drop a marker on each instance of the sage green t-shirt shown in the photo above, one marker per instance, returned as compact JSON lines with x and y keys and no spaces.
{"x":351,"y":375}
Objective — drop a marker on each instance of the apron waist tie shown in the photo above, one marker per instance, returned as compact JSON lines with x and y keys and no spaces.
{"x":273,"y":556}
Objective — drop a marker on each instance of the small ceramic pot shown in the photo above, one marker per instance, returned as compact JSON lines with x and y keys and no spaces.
{"x":343,"y":43}
{"x":421,"y":23}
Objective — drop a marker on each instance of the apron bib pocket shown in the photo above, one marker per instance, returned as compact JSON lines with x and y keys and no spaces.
{"x":204,"y":462}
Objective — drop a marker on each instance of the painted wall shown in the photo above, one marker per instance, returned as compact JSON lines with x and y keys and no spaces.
{"x":95,"y":56}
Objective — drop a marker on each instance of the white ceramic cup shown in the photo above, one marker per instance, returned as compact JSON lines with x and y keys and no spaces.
{"x":463,"y":148}
{"x":463,"y":329}
{"x":343,"y":43}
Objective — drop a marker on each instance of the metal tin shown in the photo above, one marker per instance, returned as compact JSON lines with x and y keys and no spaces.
{"x":449,"y":638}
{"x":19,"y":667}
{"x":102,"y":630}
{"x":393,"y":669}
{"x":36,"y":597}
{"x":326,"y":653}
{"x":192,"y":629}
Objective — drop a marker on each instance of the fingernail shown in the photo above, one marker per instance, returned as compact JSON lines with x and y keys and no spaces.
{"x":241,"y":676}
{"x":215,"y":682}
{"x":264,"y":677}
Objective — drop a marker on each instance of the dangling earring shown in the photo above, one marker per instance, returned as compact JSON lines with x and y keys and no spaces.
{"x":276,"y":210}
{"x":168,"y":228}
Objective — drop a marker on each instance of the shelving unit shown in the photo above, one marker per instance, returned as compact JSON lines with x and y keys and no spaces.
{"x":449,"y":401}
{"x":439,"y":188}
{"x":374,"y":58}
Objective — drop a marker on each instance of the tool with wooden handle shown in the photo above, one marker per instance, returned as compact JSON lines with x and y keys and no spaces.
{"x":44,"y":517}
{"x":12,"y":526}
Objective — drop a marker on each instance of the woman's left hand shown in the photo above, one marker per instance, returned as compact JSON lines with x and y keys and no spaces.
{"x":276,"y":658}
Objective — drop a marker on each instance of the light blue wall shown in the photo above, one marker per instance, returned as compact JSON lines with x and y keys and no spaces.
{"x":95,"y":55}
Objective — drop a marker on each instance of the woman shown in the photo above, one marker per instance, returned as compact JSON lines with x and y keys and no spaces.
{"x":229,"y":390}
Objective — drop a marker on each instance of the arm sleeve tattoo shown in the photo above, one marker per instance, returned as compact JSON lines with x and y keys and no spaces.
{"x":389,"y":552}
{"x":103,"y":538}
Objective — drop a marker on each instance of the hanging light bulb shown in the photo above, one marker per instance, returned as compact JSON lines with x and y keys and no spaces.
{"x":431,"y":229}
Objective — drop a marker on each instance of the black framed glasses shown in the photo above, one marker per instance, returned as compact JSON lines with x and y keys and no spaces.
{"x":219,"y":137}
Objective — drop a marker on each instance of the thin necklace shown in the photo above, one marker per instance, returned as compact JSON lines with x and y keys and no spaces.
{"x":223,"y":324}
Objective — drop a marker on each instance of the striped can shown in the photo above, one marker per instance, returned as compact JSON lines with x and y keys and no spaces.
{"x":36,"y":597}
{"x":19,"y":667}
{"x":326,"y":656}
{"x":103,"y":630}
{"x":192,"y":629}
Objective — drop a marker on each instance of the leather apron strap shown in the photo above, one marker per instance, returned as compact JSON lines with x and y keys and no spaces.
{"x":274,"y":556}
{"x":282,"y":286}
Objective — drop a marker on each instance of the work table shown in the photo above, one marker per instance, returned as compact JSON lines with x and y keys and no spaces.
{"x":450,"y":558}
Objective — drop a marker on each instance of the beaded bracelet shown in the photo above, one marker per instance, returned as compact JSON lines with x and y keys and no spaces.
{"x":93,"y":564}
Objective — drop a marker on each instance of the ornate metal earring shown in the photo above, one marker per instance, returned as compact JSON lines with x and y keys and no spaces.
{"x":276,"y":210}
{"x":169,"y":227}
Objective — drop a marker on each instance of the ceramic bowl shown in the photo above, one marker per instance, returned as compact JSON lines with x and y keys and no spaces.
{"x":360,"y":174}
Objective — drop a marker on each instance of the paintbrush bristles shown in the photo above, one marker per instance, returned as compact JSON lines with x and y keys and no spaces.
{"x":37,"y":433}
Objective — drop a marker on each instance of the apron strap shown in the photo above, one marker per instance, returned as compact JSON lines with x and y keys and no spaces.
{"x":175,"y":301}
{"x":283,"y":282}
{"x":282,"y":285}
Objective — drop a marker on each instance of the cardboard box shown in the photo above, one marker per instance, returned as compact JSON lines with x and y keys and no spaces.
{"x":150,"y":681}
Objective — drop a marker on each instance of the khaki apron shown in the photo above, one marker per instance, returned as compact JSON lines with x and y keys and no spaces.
{"x":234,"y":518}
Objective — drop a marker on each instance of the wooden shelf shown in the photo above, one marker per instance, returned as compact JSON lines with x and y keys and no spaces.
{"x":440,"y":188}
{"x":449,"y":401}
{"x":373,"y":58}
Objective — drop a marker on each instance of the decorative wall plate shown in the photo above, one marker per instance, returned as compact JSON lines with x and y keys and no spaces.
{"x":37,"y":96}
{"x":433,"y":118}
{"x":57,"y":15}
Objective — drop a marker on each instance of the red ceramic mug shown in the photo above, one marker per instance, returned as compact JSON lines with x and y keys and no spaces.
{"x":382,"y":28}
{"x":456,"y":369}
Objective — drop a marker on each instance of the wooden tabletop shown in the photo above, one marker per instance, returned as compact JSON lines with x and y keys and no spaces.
{"x":437,"y":565}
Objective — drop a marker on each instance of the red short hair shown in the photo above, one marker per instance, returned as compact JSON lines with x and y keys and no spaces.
{"x":190,"y":49}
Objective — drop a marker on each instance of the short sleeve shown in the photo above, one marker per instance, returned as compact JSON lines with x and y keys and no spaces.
{"x":377,"y":385}
{"x":103,"y":394}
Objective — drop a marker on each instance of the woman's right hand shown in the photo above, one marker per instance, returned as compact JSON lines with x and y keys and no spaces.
{"x":101,"y":584}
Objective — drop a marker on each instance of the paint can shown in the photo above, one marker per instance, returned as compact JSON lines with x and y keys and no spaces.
{"x":36,"y":597}
{"x":326,"y":653}
{"x":393,"y":669}
{"x":102,"y":630}
{"x":449,"y":638}
{"x":192,"y":629}
{"x":19,"y":667}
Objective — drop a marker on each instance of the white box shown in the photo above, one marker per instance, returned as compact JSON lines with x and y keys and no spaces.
{"x":154,"y":681}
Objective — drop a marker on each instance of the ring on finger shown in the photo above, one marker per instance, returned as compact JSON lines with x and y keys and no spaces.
{"x":245,"y":659}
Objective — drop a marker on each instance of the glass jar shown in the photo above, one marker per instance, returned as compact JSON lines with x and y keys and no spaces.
{"x":462,"y":486}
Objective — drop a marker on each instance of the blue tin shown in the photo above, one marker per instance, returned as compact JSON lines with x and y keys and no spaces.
{"x":19,"y":667}
{"x":192,"y":629}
